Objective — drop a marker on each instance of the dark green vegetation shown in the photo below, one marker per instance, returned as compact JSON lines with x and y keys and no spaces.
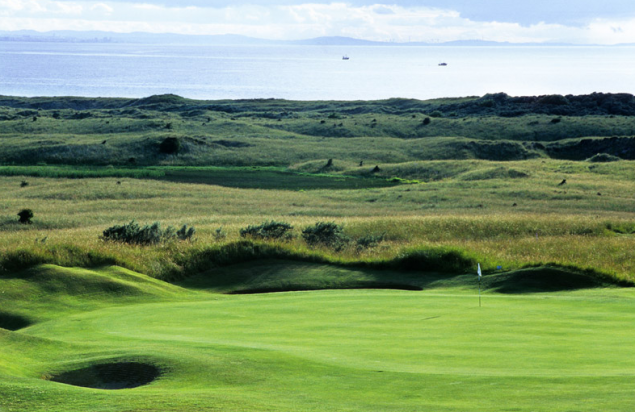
{"x":268,"y":231}
{"x":265,"y":276}
{"x":172,"y":130}
{"x":333,"y":264}
{"x":25,"y":216}
{"x":134,"y":234}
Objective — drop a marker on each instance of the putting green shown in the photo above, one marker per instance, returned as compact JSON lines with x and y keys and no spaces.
{"x":572,"y":335}
{"x":345,"y":350}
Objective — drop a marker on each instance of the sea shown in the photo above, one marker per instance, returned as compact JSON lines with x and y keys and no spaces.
{"x":310,"y":72}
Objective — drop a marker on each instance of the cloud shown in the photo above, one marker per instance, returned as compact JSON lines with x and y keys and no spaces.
{"x":8,"y":7}
{"x":360,"y":19}
{"x":38,"y":7}
{"x":102,"y":8}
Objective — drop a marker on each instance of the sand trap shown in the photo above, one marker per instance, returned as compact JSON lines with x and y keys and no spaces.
{"x":120,"y":375}
{"x":13,"y":322}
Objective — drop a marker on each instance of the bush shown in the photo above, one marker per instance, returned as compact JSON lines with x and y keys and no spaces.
{"x":268,"y":230}
{"x":369,"y":241}
{"x":327,"y":234}
{"x":25,"y":216}
{"x":436,"y":113}
{"x":134,"y":234}
{"x":220,"y":234}
{"x":170,"y":145}
{"x":603,"y":158}
{"x":553,"y":99}
{"x":185,"y":234}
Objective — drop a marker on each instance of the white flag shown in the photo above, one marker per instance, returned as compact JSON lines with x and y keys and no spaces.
{"x":479,"y":271}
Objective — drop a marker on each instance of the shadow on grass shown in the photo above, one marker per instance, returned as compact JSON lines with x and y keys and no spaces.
{"x":541,"y":279}
{"x":279,"y":275}
{"x":262,"y":178}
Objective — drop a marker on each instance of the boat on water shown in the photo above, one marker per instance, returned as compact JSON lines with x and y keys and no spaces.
{"x":345,"y":57}
{"x":443,"y":64}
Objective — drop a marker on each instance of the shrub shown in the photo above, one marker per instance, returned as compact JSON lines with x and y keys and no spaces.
{"x":436,"y":113}
{"x":553,"y":99}
{"x":24,"y":183}
{"x":185,"y":234}
{"x":25,"y":216}
{"x":220,"y":234}
{"x":170,"y":145}
{"x":134,"y":234}
{"x":327,"y":234}
{"x":426,"y":121}
{"x":369,"y":241}
{"x":268,"y":230}
{"x":603,"y":158}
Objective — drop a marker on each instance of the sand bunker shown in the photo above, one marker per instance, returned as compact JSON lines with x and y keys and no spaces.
{"x":13,"y":322}
{"x":120,"y":375}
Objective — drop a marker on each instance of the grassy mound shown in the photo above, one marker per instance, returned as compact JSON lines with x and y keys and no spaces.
{"x":283,"y":276}
{"x":541,"y":279}
{"x":48,"y":291}
{"x":265,"y":276}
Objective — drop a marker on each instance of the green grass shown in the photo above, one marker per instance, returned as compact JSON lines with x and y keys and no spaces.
{"x":238,"y":177}
{"x":467,"y":206}
{"x":283,"y":133}
{"x":79,"y":172}
{"x":354,"y":350}
{"x":268,"y":178}
{"x":399,"y":328}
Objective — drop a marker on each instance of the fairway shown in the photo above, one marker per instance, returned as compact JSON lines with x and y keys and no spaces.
{"x":353,"y":350}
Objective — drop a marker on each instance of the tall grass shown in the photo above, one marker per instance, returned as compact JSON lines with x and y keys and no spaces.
{"x":570,"y":225}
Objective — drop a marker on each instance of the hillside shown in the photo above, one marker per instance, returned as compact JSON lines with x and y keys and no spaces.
{"x":77,"y":131}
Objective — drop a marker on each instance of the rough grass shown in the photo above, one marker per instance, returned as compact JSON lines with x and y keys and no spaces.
{"x":469,"y":206}
{"x":270,"y":133}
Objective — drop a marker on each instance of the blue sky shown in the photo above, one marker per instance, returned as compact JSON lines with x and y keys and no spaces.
{"x":579,"y":21}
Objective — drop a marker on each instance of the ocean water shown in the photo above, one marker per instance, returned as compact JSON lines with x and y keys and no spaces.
{"x":309,"y":72}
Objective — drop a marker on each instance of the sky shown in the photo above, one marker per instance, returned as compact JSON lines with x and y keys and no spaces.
{"x":516,"y":21}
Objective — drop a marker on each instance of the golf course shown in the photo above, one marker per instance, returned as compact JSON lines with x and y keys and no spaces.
{"x":167,"y":254}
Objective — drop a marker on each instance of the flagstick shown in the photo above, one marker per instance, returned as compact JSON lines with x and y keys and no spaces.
{"x":479,"y":291}
{"x":479,"y":284}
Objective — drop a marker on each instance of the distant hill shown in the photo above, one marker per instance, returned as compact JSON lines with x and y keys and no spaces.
{"x":226,"y":39}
